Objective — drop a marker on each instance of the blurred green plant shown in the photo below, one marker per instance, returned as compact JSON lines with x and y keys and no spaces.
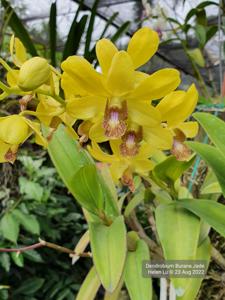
{"x":38,"y":210}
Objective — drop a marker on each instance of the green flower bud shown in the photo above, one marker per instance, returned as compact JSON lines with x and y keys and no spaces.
{"x":33,"y":73}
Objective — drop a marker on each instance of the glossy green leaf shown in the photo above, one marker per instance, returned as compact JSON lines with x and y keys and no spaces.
{"x":115,"y":295}
{"x":178,"y":232}
{"x":74,"y":37}
{"x":203,"y":253}
{"x":53,"y":32}
{"x":9,"y":227}
{"x":214,"y":158}
{"x":108,"y":245}
{"x":171,"y":169}
{"x":77,"y":169}
{"x":29,"y":222}
{"x":139,"y":288}
{"x":200,"y":32}
{"x":90,"y":286}
{"x":214,"y":127}
{"x":87,"y":189}
{"x":210,"y":211}
{"x":18,"y":28}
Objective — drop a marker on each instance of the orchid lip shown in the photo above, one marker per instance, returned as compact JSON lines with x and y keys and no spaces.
{"x":114,"y":121}
{"x":130,"y":145}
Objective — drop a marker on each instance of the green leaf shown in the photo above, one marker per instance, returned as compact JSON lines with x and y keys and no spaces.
{"x":88,"y":191}
{"x":69,"y":158}
{"x":30,"y":286}
{"x":214,"y":127}
{"x":123,"y":28}
{"x":67,"y":155}
{"x":139,"y":288}
{"x":33,"y":255}
{"x":210,"y":32}
{"x":29,"y":222}
{"x":178,"y":232}
{"x":74,"y":37}
{"x":108,"y":23}
{"x":108,"y":245}
{"x":136,"y":200}
{"x":18,"y":28}
{"x":5,"y":261}
{"x":197,"y":57}
{"x":32,"y":190}
{"x":210,"y":211}
{"x":18,"y":259}
{"x":116,"y":293}
{"x":53,"y":32}
{"x":210,"y":184}
{"x":9,"y":227}
{"x":201,"y":17}
{"x":171,"y":169}
{"x":90,"y":29}
{"x":194,"y":11}
{"x":214,"y":158}
{"x":200,"y":32}
{"x":203,"y":253}
{"x":90,"y":286}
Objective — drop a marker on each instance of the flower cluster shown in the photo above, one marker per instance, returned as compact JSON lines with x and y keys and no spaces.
{"x":136,"y":113}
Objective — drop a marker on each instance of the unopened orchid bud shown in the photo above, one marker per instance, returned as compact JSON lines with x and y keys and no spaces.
{"x":33,"y":73}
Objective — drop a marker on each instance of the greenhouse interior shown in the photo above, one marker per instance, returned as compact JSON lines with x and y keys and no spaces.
{"x":112,"y":150}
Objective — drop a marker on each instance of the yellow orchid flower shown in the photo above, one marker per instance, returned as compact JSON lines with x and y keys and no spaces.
{"x":123,"y":167}
{"x":14,"y":131}
{"x":119,"y":95}
{"x":175,"y":108}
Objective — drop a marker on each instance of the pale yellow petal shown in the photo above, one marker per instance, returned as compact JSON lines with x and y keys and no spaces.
{"x":121,"y":75}
{"x":117,"y":169}
{"x":4,"y":148}
{"x":170,"y":102}
{"x":99,"y":155}
{"x":105,"y":50}
{"x":86,"y":107}
{"x":36,"y":128}
{"x":190,"y":129}
{"x":143,"y":46}
{"x":157,"y":85}
{"x":139,"y":77}
{"x":17,"y":51}
{"x":12,"y":77}
{"x":158,"y":137}
{"x":142,"y":167}
{"x":146,"y":150}
{"x":97,"y":132}
{"x":70,"y":87}
{"x":143,"y":113}
{"x":115,"y":146}
{"x":84,"y":75}
{"x":13,"y":129}
{"x":179,"y":106}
